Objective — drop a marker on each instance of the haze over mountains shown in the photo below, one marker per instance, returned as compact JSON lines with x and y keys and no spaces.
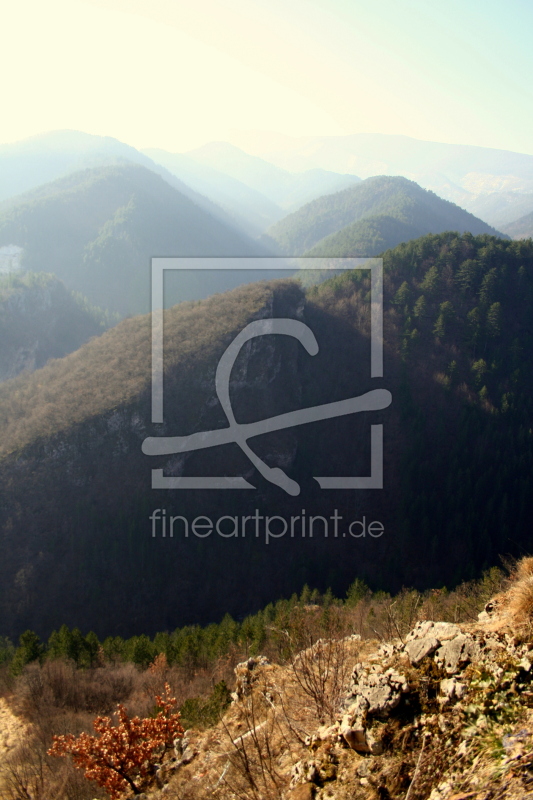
{"x":369,"y":218}
{"x":97,"y":230}
{"x":258,"y":191}
{"x":32,"y":162}
{"x":110,"y":207}
{"x":288,"y":189}
{"x":251,"y":209}
{"x":522,"y":228}
{"x":496,"y":185}
{"x":254,"y":187}
{"x":219,"y":177}
{"x":457,"y":310}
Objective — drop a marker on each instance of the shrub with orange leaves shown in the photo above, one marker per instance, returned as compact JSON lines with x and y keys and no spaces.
{"x":122,"y":756}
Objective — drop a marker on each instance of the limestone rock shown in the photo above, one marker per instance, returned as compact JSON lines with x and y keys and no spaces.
{"x":451,"y":648}
{"x":375,"y":693}
{"x":419,"y":649}
{"x":456,"y":653}
{"x":355,"y":737}
{"x":451,"y":690}
{"x":381,"y":691}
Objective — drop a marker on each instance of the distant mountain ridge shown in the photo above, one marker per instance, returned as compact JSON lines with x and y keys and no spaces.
{"x":252,"y":210}
{"x":287,"y":189}
{"x":372,"y":216}
{"x":522,"y":228}
{"x":365,"y":152}
{"x":258,"y":192}
{"x":494,"y":184}
{"x":239,"y":189}
{"x":250,"y":186}
{"x":27,"y":164}
{"x":97,"y":230}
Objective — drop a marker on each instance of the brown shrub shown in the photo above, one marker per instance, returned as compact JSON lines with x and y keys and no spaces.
{"x":57,"y":686}
{"x":28,"y":773}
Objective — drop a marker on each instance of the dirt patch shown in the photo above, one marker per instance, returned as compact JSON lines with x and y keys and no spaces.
{"x":13,"y":731}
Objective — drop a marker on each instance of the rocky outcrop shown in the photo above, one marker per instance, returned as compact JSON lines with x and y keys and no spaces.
{"x":246,"y":674}
{"x":450,"y":647}
{"x":375,"y":692}
{"x":441,"y":714}
{"x":433,"y":670}
{"x":445,"y":713}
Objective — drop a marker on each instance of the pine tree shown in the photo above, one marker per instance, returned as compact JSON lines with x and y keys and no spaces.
{"x":494,"y":320}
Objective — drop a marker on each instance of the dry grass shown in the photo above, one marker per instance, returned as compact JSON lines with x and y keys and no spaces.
{"x":57,"y":698}
{"x":115,"y":369}
{"x":252,"y":750}
{"x":524,"y":568}
{"x":12,"y":734}
{"x":509,"y":608}
{"x":512,"y":609}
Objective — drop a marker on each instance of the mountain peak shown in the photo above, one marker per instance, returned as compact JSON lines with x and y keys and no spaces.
{"x":368,"y":218}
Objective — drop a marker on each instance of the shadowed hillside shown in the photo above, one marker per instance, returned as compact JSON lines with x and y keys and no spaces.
{"x":40,"y":319}
{"x":457,"y":447}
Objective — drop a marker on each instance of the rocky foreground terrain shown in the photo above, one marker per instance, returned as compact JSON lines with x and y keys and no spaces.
{"x":446,"y":714}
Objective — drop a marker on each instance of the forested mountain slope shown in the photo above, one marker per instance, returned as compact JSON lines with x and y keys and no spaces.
{"x":494,"y":185}
{"x":76,"y":487}
{"x":97,"y":230}
{"x":368,"y":218}
{"x":41,"y":159}
{"x":41,"y":319}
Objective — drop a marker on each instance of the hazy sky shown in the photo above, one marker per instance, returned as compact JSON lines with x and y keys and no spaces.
{"x":178,"y":73}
